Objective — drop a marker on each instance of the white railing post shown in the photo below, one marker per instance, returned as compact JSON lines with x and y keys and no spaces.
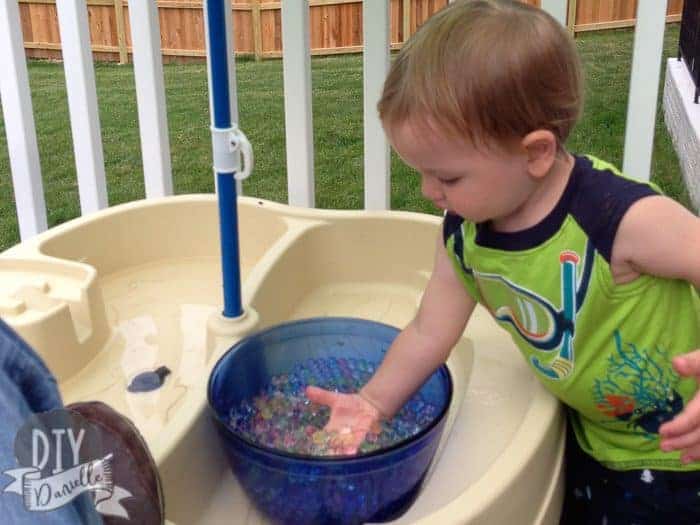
{"x":150,"y":98}
{"x":556,"y":8}
{"x":82,"y":103}
{"x":296,"y":64}
{"x":644,"y":87}
{"x":19,"y":124}
{"x":376,"y":58}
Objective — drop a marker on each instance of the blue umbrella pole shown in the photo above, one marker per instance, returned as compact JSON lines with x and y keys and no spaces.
{"x":230,"y":147}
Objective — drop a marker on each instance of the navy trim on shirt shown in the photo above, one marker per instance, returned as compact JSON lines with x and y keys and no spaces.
{"x":596,"y":199}
{"x":452,"y":225}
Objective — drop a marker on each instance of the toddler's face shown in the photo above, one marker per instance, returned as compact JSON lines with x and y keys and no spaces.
{"x":476,"y":184}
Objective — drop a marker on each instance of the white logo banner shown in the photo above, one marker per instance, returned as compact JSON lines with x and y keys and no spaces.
{"x":52,"y":492}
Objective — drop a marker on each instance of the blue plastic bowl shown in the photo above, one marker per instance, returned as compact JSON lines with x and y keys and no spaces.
{"x":293,"y":488}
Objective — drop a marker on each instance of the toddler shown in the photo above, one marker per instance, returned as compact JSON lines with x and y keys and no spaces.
{"x":592,"y":272}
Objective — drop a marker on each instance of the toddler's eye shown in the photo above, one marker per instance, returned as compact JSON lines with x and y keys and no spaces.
{"x":449,"y":182}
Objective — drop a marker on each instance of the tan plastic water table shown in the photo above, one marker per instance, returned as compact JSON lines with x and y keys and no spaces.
{"x":137,"y":286}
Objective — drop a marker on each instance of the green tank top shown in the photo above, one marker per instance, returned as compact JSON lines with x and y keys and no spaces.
{"x":605,"y":350}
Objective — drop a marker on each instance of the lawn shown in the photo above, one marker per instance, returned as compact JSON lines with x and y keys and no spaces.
{"x":337,"y":103}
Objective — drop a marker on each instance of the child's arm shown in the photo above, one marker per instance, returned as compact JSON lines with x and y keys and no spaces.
{"x":660,"y":237}
{"x":427,"y":340}
{"x":422,"y":346}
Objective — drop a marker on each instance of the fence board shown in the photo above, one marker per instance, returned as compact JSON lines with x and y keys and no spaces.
{"x":121,"y":34}
{"x":103,"y":25}
{"x":336,"y":25}
{"x":675,"y":7}
{"x":421,"y":10}
{"x":271,"y":30}
{"x":26,"y":20}
{"x":243,"y":29}
{"x":405,"y":14}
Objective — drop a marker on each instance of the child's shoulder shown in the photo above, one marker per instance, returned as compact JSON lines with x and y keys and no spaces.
{"x":595,"y":172}
{"x":597,"y":185}
{"x":599,"y":195}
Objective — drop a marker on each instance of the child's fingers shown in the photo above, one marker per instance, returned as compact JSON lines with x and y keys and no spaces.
{"x":682,"y":441}
{"x":685,"y":422}
{"x":320,"y":396}
{"x":691,"y":454}
{"x":688,"y":364}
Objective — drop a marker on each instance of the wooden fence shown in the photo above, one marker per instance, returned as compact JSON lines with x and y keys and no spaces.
{"x":336,"y":25}
{"x":15,"y":94}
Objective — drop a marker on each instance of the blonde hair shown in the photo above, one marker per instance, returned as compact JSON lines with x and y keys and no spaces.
{"x":488,"y":71}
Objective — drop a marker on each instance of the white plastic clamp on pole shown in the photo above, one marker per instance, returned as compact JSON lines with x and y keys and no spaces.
{"x":228,"y":145}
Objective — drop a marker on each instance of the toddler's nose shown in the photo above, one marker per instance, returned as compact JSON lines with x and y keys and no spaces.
{"x":431,"y":189}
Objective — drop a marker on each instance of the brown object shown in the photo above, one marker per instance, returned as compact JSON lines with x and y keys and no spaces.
{"x":133,"y":467}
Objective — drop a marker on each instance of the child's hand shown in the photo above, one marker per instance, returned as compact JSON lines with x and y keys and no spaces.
{"x":352,"y":417}
{"x":683,"y":431}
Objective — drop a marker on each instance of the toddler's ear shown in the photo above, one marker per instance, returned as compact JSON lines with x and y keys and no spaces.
{"x":541,"y":148}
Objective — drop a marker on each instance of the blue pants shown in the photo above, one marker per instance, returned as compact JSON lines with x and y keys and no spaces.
{"x":600,"y":496}
{"x":27,"y":387}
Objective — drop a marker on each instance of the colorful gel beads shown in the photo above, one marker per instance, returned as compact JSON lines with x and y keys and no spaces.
{"x":281,"y":417}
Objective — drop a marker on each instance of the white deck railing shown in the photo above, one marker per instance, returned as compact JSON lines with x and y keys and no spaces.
{"x":82,"y":103}
{"x":19,"y":124}
{"x":150,"y":94}
{"x":296,"y":43}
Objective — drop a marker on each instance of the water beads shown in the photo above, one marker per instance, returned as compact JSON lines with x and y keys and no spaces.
{"x":281,"y":417}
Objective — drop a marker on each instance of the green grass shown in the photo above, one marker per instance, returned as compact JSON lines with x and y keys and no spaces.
{"x":337,"y":103}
